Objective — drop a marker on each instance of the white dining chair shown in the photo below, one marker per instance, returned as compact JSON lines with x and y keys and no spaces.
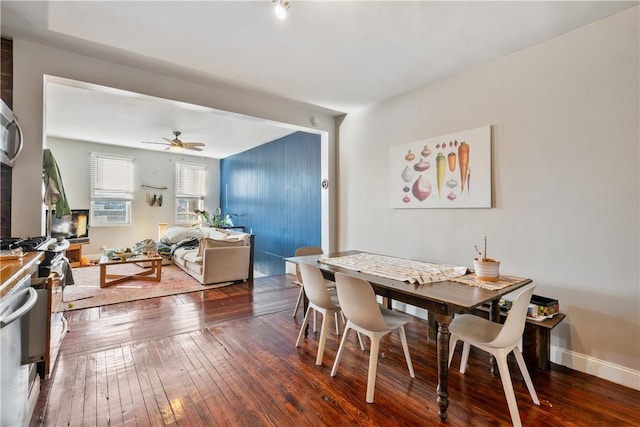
{"x":305,"y":251}
{"x":366,"y":316}
{"x":499,"y":340}
{"x":321,"y":301}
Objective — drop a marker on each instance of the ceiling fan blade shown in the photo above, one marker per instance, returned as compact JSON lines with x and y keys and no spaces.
{"x":175,"y":143}
{"x":158,"y":143}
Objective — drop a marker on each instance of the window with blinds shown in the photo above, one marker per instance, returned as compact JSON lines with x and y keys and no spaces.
{"x":111,"y":189}
{"x":190,"y":192}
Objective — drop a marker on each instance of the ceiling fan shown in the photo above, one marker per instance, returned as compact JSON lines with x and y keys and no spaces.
{"x":176,"y":143}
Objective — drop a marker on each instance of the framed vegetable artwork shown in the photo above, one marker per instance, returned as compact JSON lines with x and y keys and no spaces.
{"x":449,"y":171}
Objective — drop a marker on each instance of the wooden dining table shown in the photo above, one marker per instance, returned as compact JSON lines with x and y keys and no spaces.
{"x":442,"y":300}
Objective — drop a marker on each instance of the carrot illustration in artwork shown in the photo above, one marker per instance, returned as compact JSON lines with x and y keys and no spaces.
{"x":463,"y":161}
{"x":440,"y":169}
{"x":469,"y":181}
{"x":451,"y":159}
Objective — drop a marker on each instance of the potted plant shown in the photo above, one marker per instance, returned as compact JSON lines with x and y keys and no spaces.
{"x":486,"y":269}
{"x":216,"y":218}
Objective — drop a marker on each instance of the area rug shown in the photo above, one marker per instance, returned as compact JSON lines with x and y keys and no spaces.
{"x":86,"y":291}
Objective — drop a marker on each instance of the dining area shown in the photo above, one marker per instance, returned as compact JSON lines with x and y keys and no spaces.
{"x":361,"y":288}
{"x":227,"y":356}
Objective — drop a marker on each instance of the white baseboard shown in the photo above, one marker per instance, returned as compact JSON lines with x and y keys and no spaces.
{"x":589,"y":365}
{"x":290,"y":268}
{"x":596,"y":367}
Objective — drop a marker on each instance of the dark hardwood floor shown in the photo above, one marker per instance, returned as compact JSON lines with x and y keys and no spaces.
{"x":227,"y":357}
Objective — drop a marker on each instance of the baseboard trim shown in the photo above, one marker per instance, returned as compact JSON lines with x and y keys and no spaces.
{"x":589,"y":365}
{"x":596,"y":367}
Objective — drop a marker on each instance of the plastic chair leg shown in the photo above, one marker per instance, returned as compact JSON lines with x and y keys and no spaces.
{"x":373,"y":368}
{"x":405,"y":347}
{"x":465,"y":357}
{"x":360,"y":340}
{"x":503,"y":368}
{"x":336,"y":362}
{"x":323,"y":337}
{"x":298,"y":301}
{"x":526,"y":376}
{"x":304,"y":325}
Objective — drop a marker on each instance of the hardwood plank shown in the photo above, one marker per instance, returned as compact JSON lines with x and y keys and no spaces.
{"x":121,"y":412}
{"x":170,"y":372}
{"x":78,"y":396}
{"x":155,"y":401}
{"x":141,"y":413}
{"x":215,"y":400}
{"x":197,"y":405}
{"x":235,"y":382}
{"x":227,"y":356}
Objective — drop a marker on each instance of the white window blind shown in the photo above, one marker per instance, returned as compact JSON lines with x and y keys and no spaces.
{"x":111,"y":177}
{"x":190,"y":192}
{"x":189,"y":180}
{"x":111,"y":189}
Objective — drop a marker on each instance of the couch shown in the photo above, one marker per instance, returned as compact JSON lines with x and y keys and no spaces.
{"x":212,"y":255}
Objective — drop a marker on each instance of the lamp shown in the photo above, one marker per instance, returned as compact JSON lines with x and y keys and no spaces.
{"x":162,"y":229}
{"x":281,"y":8}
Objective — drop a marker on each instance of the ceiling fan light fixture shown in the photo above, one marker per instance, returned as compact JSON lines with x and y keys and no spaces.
{"x":280,"y":8}
{"x":177,"y":145}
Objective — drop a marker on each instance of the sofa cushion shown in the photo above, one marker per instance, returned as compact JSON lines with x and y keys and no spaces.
{"x":223,"y":234}
{"x":176,"y":234}
{"x":206,"y":242}
{"x":191,"y":255}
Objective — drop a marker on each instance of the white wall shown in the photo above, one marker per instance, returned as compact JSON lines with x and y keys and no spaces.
{"x":565,"y":116}
{"x":150,"y":168}
{"x":32,"y":61}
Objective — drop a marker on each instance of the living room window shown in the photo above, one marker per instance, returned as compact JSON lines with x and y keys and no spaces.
{"x":190,"y":192}
{"x":111,"y":189}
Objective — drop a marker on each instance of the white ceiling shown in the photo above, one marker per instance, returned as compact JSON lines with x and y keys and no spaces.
{"x":337,"y":55}
{"x":85,"y":112}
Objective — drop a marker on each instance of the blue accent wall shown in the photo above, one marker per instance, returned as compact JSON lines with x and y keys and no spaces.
{"x":275,"y":190}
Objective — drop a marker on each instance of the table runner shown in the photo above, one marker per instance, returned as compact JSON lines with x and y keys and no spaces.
{"x":502,"y":282}
{"x":404,"y":270}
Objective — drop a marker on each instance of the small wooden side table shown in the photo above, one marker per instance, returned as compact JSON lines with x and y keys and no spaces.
{"x":74,"y":253}
{"x":152,"y":273}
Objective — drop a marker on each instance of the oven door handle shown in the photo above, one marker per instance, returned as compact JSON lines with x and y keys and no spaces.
{"x":26,"y":307}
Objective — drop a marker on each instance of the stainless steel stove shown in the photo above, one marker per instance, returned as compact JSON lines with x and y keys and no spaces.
{"x":45,"y":325}
{"x":53,"y":249}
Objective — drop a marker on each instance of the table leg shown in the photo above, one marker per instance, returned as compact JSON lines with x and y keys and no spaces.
{"x":530,"y":349}
{"x":494,"y":316}
{"x":103,"y":275}
{"x":443,"y":363}
{"x":305,"y":305}
{"x":432,"y":332}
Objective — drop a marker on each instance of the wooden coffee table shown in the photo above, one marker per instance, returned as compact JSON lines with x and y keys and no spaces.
{"x":151,"y":272}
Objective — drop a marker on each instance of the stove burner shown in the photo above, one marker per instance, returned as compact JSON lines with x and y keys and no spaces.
{"x":32,"y":243}
{"x":7,"y":243}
